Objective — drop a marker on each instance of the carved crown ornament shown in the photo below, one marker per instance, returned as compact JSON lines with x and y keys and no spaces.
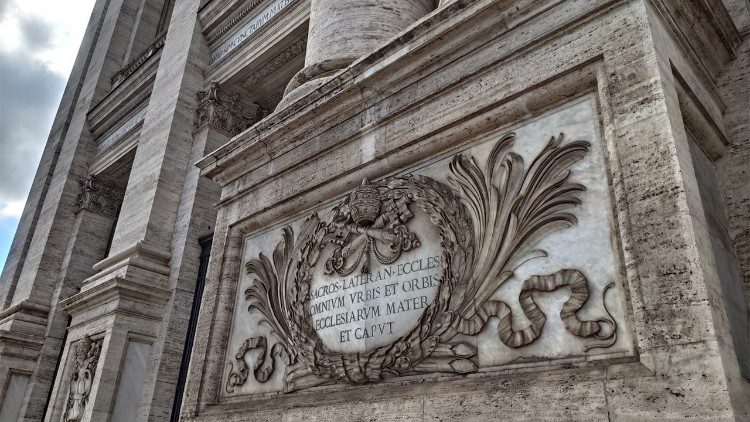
{"x":225,"y":111}
{"x":85,"y":359}
{"x":487,"y":222}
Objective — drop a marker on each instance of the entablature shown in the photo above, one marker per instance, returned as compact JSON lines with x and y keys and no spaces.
{"x":699,"y":26}
{"x":124,"y":99}
{"x":251,"y":31}
{"x":121,"y":112}
{"x":139,"y":61}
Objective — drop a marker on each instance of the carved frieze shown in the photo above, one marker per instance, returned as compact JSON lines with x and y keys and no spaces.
{"x":278,"y":61}
{"x":225,"y":111}
{"x":99,"y":197}
{"x":234,"y":21}
{"x":250,"y":27}
{"x":85,"y":358}
{"x":448,"y":269}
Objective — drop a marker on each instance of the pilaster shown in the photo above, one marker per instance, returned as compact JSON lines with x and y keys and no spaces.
{"x":96,"y":209}
{"x":196,"y":218}
{"x":140,"y":294}
{"x":54,"y":263}
{"x":40,"y":186}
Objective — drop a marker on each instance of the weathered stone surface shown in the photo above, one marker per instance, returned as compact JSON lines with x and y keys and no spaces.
{"x":390,"y":90}
{"x":376,"y":293}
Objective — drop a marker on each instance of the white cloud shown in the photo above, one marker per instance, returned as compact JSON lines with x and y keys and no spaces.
{"x":67,"y":20}
{"x":39,"y":40}
{"x":12,"y":209}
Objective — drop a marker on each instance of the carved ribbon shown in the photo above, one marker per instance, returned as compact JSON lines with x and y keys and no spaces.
{"x":262,"y":368}
{"x":541,"y":283}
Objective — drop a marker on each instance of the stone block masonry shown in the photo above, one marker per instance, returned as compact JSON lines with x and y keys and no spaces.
{"x":419,"y":210}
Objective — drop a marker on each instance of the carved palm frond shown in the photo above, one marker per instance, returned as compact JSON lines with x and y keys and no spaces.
{"x":269,"y":292}
{"x":513,"y":210}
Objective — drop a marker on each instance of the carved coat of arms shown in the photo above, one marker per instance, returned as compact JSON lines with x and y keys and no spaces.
{"x":489,"y":221}
{"x":86,"y":357}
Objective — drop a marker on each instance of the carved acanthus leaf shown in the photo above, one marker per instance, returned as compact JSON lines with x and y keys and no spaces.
{"x":100,"y":197}
{"x":225,"y":111}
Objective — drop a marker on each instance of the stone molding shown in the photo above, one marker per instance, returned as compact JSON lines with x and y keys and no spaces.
{"x":100,"y":197}
{"x":277,"y":62}
{"x":224,"y":111}
{"x":130,"y":295}
{"x":124,"y":129}
{"x":22,"y":330}
{"x":136,"y":63}
{"x":27,"y":307}
{"x":232,"y":22}
{"x":249,"y":28}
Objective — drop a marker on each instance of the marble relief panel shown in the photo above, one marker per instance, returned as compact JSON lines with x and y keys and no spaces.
{"x":500,"y":252}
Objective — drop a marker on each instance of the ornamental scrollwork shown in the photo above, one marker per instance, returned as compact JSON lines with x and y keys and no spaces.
{"x":489,"y":221}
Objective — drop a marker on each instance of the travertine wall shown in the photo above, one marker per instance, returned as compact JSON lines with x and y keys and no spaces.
{"x":734,"y":168}
{"x":395,"y":85}
{"x":65,"y":283}
{"x":467,"y":69}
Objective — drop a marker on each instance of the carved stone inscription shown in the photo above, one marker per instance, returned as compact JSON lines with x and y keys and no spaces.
{"x":247,"y":30}
{"x":362,"y":311}
{"x":497,"y":253}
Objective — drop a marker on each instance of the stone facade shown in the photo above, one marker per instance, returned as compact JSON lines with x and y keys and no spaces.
{"x":420,"y":210}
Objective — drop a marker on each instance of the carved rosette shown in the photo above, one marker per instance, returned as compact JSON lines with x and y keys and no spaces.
{"x":100,"y":197}
{"x":489,"y":220}
{"x":224,"y":111}
{"x":86,"y":357}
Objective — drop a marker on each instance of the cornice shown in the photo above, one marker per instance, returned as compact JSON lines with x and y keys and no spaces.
{"x":26,"y":307}
{"x":699,"y":27}
{"x":277,"y":62}
{"x":136,"y":63}
{"x":231,"y":23}
{"x":393,"y":68}
{"x":123,"y":99}
{"x":137,"y":249}
{"x":290,"y":23}
{"x":254,"y":144}
{"x":119,"y":289}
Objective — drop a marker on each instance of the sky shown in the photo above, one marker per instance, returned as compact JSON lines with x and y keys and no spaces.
{"x":39,"y":40}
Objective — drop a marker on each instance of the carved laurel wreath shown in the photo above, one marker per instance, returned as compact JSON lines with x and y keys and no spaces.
{"x":488,"y":221}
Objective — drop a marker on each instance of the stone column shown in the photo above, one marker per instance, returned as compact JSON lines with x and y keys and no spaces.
{"x":341,"y":31}
{"x":140,"y":298}
{"x":219,"y":117}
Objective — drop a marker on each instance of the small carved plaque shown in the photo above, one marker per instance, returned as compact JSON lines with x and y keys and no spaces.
{"x":417,"y":273}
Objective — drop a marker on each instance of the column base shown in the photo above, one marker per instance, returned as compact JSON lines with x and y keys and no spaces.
{"x":311,"y":78}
